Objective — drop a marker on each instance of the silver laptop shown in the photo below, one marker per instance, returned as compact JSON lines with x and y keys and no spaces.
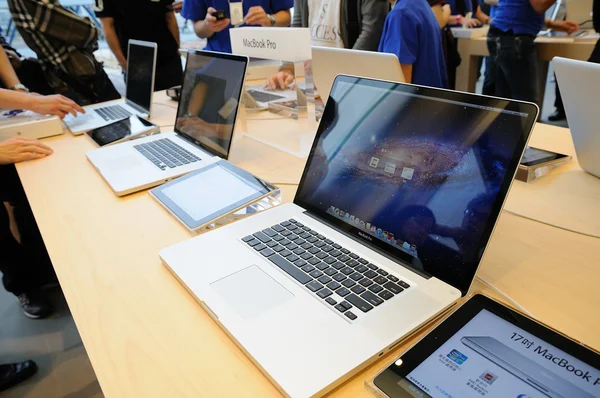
{"x":328,"y":62}
{"x":579,"y":82}
{"x":398,"y":200}
{"x":141,"y":69}
{"x":549,"y":384}
{"x":203,"y":133}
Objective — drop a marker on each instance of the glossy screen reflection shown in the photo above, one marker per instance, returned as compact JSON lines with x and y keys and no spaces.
{"x":422,"y":175}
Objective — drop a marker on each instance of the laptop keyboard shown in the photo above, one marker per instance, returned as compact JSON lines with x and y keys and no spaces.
{"x":112,"y":112}
{"x":261,"y":96}
{"x":344,"y":280}
{"x":165,"y":154}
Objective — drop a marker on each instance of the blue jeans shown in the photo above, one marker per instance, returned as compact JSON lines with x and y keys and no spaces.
{"x":516,"y":67}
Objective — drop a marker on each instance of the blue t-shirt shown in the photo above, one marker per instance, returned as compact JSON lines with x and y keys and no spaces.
{"x":518,"y":16}
{"x":411,"y":31}
{"x":220,"y":41}
{"x":483,"y":6}
{"x":454,"y":11}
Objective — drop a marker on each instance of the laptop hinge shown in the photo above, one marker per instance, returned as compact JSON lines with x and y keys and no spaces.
{"x":374,"y":248}
{"x":136,"y":106}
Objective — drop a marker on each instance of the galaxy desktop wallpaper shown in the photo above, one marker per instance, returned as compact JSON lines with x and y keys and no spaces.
{"x":418,"y":174}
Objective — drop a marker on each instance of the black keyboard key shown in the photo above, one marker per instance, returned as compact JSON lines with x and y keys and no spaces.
{"x":272,"y":243}
{"x":285,"y":253}
{"x":312,"y":239}
{"x":370,"y":274}
{"x":380,"y":279}
{"x":375,"y":288}
{"x":320,"y":237}
{"x":350,"y":315}
{"x":333,"y":285}
{"x":299,"y":224}
{"x":306,"y":256}
{"x":314,"y":261}
{"x":324,"y":280}
{"x":308,"y":268}
{"x":337,"y":265}
{"x":346,"y":305}
{"x":286,"y":233}
{"x":348,"y":283}
{"x":297,"y":251}
{"x":300,"y":263}
{"x":306,"y":246}
{"x":292,"y":227}
{"x":327,"y":249}
{"x":343,"y":292}
{"x":366,"y":282}
{"x":267,"y":252}
{"x":356,"y":276}
{"x":361,"y":268}
{"x":262,"y":237}
{"x":314,"y":286}
{"x":324,"y":293}
{"x":343,"y":258}
{"x":373,"y":266}
{"x":278,"y":238}
{"x":346,"y":270}
{"x":340,"y":308}
{"x":320,"y":244}
{"x":371,"y":298}
{"x":292,"y":246}
{"x":386,"y":295}
{"x":305,"y":235}
{"x":269,"y":232}
{"x":358,"y":289}
{"x":285,"y":223}
{"x":292,"y":221}
{"x":404,"y":284}
{"x":392,"y":287}
{"x":321,"y":266}
{"x":393,"y":278}
{"x":248,"y":238}
{"x":313,"y":250}
{"x":352,"y":263}
{"x":329,"y":241}
{"x":307,"y":229}
{"x":259,"y":247}
{"x":253,"y":242}
{"x":330,"y":271}
{"x":321,"y":255}
{"x":339,"y":277}
{"x":363,"y":261}
{"x":359,"y":303}
{"x":290,"y":269}
{"x":277,"y":228}
{"x":336,"y":246}
{"x":316,"y":274}
{"x":330,"y":301}
{"x":354,"y":256}
{"x":382,"y":272}
{"x":329,"y":260}
{"x":293,"y":258}
{"x":345,"y":251}
{"x":335,"y":253}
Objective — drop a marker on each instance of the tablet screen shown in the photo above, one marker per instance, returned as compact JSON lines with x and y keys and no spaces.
{"x":492,"y":357}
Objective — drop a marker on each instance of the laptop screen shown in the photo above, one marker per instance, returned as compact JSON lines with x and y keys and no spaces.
{"x":140,"y":74}
{"x":210,"y":95}
{"x":416,"y":172}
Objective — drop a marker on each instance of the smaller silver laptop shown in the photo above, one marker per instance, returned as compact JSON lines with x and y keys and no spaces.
{"x":203,"y":132}
{"x":141,"y":70}
{"x":579,"y":84}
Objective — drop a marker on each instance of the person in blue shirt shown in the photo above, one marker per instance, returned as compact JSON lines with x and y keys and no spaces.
{"x":256,"y":13}
{"x":412,"y":32}
{"x":511,"y":45}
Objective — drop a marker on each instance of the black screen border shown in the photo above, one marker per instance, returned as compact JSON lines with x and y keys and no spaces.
{"x":214,"y":54}
{"x":154,"y":48}
{"x":398,"y":255}
{"x":387,"y":380}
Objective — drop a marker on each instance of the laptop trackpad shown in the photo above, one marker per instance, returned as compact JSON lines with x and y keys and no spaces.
{"x":121,"y":163}
{"x":251,"y":292}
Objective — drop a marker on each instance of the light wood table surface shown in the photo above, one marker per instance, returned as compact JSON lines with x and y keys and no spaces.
{"x":147,"y":337}
{"x":471,"y":49}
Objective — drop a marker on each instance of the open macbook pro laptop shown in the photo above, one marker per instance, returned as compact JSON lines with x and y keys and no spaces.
{"x":204,"y":128}
{"x":398,"y":200}
{"x":141,"y":67}
{"x":329,"y":62}
{"x":579,"y":82}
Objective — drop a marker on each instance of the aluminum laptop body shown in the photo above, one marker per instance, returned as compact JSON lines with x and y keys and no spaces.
{"x":204,"y":127}
{"x":329,"y":62}
{"x":397,"y":202}
{"x":141,"y":70}
{"x":579,"y":82}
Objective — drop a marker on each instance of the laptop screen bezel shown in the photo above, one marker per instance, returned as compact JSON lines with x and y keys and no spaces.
{"x":213,"y":54}
{"x":154,"y":47}
{"x":388,"y":250}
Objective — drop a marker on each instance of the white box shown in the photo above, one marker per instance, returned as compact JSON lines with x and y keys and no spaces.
{"x":20,"y":123}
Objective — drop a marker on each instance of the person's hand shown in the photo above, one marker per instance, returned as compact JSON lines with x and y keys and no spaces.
{"x":55,"y":105}
{"x":471,"y":23}
{"x":280,"y":80}
{"x":212,"y":23}
{"x":257,"y":16}
{"x":21,"y":149}
{"x":177,"y":6}
{"x":566,"y":26}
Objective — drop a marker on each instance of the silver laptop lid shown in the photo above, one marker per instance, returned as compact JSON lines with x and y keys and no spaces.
{"x":210,"y":95}
{"x":141,"y":69}
{"x":415,"y":173}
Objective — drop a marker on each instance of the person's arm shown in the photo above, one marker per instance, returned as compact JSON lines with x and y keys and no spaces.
{"x":42,"y":104}
{"x":540,"y":6}
{"x":407,"y":72}
{"x":482,"y":16}
{"x":57,"y":22}
{"x":173,"y":26}
{"x":108,"y":27}
{"x":442,"y":13}
{"x":7,"y":73}
{"x":257,"y":16}
{"x":208,"y":26}
{"x":562,"y":26}
{"x":373,"y":18}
